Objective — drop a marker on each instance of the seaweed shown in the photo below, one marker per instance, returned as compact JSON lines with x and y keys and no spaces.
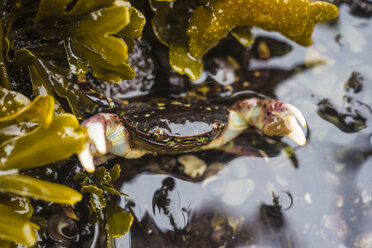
{"x":203,"y":24}
{"x":11,"y":224}
{"x":294,"y":19}
{"x":91,"y":33}
{"x":100,"y":189}
{"x":56,"y":40}
{"x":169,"y":25}
{"x":26,"y":129}
{"x":35,"y":127}
{"x":352,"y":116}
{"x":53,"y":41}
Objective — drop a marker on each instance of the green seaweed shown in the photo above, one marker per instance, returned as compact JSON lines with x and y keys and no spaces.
{"x":68,"y":38}
{"x":15,"y":227}
{"x":4,"y":78}
{"x":35,"y":146}
{"x":99,"y":183}
{"x":169,"y":25}
{"x":11,"y":102}
{"x":294,"y":19}
{"x":135,"y":26}
{"x":48,"y":78}
{"x":20,"y":205}
{"x":243,"y":35}
{"x":99,"y":188}
{"x":89,"y":37}
{"x":26,"y":131}
{"x":92,"y":42}
{"x":41,"y":110}
{"x":119,"y":221}
{"x":190,"y":35}
{"x":32,"y":187}
{"x":183,"y":62}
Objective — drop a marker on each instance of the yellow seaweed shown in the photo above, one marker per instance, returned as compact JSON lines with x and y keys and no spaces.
{"x":92,"y":34}
{"x":294,"y":19}
{"x":42,"y":109}
{"x":15,"y":227}
{"x":243,"y":35}
{"x":39,"y":189}
{"x":169,"y":25}
{"x":59,"y":141}
{"x":30,"y":136}
{"x":182,"y":62}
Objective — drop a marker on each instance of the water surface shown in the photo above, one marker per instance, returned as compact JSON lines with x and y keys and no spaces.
{"x":325,"y":201}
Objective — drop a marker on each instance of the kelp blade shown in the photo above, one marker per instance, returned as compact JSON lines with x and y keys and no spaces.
{"x":119,"y":221}
{"x":62,"y":139}
{"x":32,"y":187}
{"x":40,"y":109}
{"x":294,"y":19}
{"x":15,"y":227}
{"x":11,"y":102}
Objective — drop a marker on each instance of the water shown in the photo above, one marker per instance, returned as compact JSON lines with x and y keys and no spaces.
{"x":325,"y":202}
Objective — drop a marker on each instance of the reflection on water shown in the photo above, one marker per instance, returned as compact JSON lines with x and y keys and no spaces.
{"x":232,"y":202}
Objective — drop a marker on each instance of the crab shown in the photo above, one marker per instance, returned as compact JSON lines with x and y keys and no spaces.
{"x":169,"y":126}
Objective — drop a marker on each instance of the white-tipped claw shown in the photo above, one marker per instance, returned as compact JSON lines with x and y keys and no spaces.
{"x":297,"y":113}
{"x":96,"y":133}
{"x":86,"y":159}
{"x":297,"y":134}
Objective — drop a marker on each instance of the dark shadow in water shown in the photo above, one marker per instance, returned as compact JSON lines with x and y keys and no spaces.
{"x":213,"y":227}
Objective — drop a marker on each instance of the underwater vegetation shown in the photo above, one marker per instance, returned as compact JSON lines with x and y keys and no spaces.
{"x":21,"y":123}
{"x":47,"y":45}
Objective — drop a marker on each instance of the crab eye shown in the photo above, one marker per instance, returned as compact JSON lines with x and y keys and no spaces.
{"x":158,"y":134}
{"x":218,"y":126}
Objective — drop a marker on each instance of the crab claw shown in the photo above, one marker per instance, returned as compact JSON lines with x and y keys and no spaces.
{"x":297,"y":135}
{"x":86,"y":159}
{"x":97,"y":145}
{"x":106,"y":135}
{"x":274,"y":118}
{"x":96,"y":131}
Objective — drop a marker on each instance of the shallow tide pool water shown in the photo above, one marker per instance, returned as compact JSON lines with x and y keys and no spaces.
{"x":241,"y":201}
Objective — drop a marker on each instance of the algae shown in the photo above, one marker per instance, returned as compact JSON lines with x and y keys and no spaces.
{"x":26,"y":131}
{"x":190,"y":35}
{"x":294,"y":19}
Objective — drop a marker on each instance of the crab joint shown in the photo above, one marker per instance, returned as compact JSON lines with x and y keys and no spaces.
{"x":106,"y":135}
{"x":98,"y":128}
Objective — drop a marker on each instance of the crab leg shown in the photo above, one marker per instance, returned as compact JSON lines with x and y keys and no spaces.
{"x":107,"y":135}
{"x":271,"y":117}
